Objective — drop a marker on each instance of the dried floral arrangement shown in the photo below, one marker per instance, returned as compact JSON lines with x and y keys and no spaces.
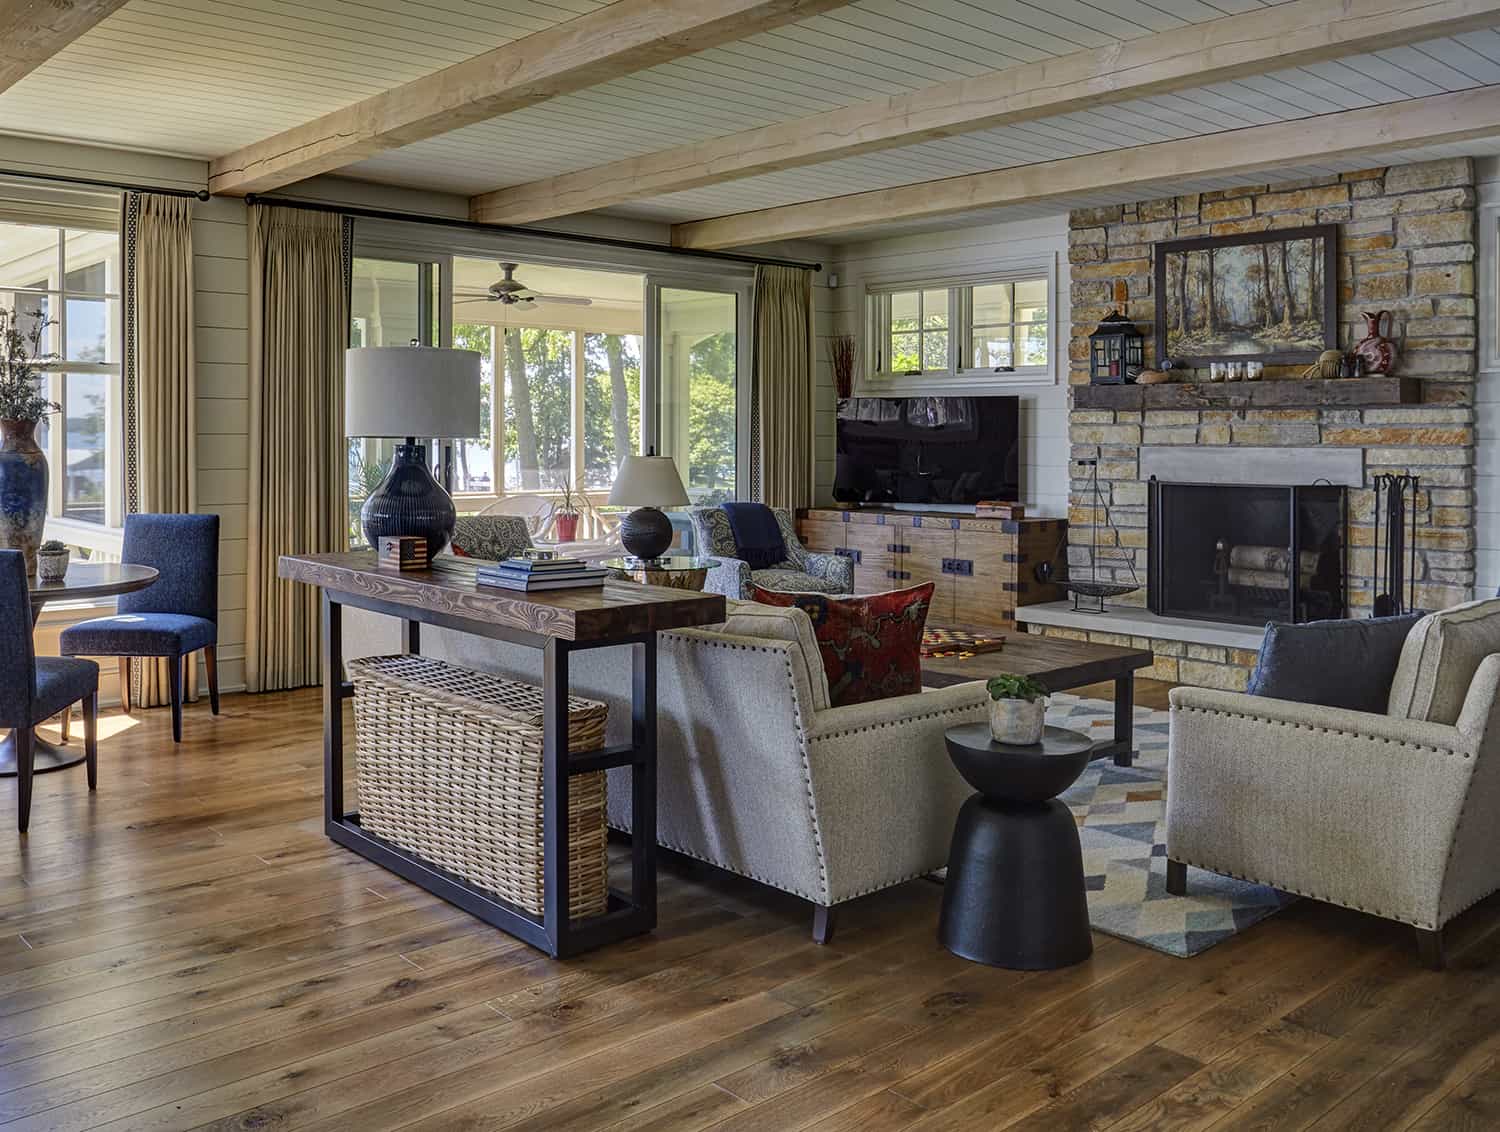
{"x":841,"y":355}
{"x":21,"y":359}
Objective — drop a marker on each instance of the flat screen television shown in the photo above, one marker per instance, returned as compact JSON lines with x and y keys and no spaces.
{"x":927,"y":450}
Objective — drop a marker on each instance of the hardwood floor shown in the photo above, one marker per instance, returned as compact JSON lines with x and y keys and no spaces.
{"x":185,"y":950}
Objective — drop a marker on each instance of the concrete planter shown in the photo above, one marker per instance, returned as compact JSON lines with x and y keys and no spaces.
{"x":1017,"y":722}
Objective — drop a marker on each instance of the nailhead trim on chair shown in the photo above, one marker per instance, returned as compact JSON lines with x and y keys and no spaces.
{"x":1301,"y":892}
{"x":892,"y":723}
{"x":1319,"y":730}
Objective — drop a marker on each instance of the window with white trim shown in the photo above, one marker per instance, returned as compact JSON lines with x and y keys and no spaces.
{"x":985,"y":329}
{"x":69,"y":277}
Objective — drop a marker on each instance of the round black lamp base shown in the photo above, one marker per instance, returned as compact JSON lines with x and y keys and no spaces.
{"x":646,"y":533}
{"x":1014,"y":895}
{"x":409,"y":502}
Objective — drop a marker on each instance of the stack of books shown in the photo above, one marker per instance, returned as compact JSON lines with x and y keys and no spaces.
{"x":533,"y":574}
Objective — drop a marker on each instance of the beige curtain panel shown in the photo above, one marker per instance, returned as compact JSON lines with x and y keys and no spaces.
{"x":783,"y":384}
{"x":299,"y":321}
{"x":166,"y":386}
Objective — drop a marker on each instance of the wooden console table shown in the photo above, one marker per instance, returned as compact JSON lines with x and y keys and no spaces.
{"x":558,"y":623}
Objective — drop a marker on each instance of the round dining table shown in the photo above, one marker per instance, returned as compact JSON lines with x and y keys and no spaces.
{"x":83,"y":580}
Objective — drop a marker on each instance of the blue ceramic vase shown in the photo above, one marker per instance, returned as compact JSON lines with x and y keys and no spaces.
{"x":23,"y":490}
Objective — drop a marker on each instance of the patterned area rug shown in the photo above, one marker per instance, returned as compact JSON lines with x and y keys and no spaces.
{"x":1121,"y":814}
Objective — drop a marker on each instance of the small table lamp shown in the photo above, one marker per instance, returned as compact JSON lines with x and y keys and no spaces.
{"x":410,"y":391}
{"x":647,"y":483}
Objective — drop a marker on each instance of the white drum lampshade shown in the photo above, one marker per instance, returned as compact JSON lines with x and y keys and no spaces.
{"x":647,"y":483}
{"x":411,"y":392}
{"x":417,"y":391}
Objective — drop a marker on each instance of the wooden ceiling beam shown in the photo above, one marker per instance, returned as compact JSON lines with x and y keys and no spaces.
{"x":32,"y":31}
{"x":625,"y":36}
{"x":1290,"y":35}
{"x":1434,"y":120}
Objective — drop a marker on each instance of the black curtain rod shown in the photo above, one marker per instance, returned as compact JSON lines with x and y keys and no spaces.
{"x":514,"y":230}
{"x":200,"y":194}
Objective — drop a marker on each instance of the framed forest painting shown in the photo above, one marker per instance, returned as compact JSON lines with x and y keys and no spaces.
{"x":1259,"y":296}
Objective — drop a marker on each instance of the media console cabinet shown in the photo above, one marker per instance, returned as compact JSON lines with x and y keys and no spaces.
{"x":983,"y":568}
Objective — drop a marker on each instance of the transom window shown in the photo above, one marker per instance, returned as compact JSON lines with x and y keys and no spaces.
{"x":70,"y":278}
{"x":995,"y":329}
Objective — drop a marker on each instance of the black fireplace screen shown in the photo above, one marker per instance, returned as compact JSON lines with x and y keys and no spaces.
{"x":1226,"y":552}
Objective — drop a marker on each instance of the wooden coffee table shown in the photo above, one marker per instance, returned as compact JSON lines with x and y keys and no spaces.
{"x":1059,"y":664}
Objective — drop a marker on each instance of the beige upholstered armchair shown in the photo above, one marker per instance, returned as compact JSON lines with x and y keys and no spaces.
{"x":1390,"y":814}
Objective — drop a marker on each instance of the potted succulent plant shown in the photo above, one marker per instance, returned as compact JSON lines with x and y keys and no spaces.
{"x":566,"y":514}
{"x":23,"y":466}
{"x":52,"y":560}
{"x":1018,"y":709}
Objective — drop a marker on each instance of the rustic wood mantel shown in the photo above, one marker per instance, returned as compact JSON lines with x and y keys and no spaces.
{"x":1346,"y":392}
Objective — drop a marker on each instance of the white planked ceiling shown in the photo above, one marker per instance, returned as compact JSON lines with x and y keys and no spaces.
{"x":200,"y":78}
{"x":869,"y":49}
{"x":1289,"y":174}
{"x":1428,"y":68}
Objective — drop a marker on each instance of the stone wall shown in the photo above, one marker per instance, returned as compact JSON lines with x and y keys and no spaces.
{"x":1406,"y":244}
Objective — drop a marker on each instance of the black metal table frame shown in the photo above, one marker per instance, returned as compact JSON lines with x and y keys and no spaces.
{"x":553,"y":932}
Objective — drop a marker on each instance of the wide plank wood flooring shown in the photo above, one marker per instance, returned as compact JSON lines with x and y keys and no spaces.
{"x":185,"y":950}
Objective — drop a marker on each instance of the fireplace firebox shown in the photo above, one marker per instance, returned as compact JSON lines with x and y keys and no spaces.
{"x":1247,"y":553}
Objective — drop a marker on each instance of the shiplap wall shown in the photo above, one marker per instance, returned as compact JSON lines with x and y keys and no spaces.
{"x":959,"y":252}
{"x":1487,"y":455}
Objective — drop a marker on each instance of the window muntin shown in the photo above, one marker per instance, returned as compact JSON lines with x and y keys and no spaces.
{"x":997,"y":328}
{"x":611,"y":404}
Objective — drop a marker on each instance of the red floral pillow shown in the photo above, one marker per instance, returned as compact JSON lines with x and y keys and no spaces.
{"x":871,"y":645}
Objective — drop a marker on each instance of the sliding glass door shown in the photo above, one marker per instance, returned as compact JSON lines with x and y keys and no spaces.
{"x":700,"y":376}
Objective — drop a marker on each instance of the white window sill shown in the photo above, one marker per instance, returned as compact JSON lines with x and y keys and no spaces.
{"x":950,"y":384}
{"x":106,"y":540}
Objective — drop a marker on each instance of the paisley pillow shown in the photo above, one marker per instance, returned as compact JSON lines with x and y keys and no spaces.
{"x":871,"y":644}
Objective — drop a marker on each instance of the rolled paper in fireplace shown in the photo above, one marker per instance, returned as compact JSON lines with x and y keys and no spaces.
{"x":1272,"y":558}
{"x":1264,"y":579}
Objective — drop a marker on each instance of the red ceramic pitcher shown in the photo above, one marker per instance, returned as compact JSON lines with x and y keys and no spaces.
{"x":1378,"y":351}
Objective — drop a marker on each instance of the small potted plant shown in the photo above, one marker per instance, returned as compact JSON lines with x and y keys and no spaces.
{"x":1018,"y":709}
{"x":52,"y":560}
{"x":566,"y":514}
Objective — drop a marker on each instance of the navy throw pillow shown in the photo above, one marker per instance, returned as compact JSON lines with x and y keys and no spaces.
{"x":1344,"y":664}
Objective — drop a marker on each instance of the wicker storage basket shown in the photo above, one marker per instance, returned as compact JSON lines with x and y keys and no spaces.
{"x":449,"y":767}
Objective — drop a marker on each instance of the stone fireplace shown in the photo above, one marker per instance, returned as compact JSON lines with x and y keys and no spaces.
{"x":1405,"y":245}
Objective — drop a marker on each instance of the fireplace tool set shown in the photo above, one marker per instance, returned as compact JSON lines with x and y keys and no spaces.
{"x":1089,"y":593}
{"x":1396,"y":556}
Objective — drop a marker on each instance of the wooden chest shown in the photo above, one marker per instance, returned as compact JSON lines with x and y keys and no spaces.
{"x":982,"y":568}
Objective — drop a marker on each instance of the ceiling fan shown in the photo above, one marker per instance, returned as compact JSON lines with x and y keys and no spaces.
{"x":512,"y":292}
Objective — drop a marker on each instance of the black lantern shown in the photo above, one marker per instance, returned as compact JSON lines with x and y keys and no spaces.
{"x":1116,"y":351}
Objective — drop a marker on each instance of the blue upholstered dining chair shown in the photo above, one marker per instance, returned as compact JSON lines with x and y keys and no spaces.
{"x":34,"y":688}
{"x":174,"y":616}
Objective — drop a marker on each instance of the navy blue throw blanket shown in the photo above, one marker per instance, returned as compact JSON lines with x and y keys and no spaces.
{"x":757,"y":534}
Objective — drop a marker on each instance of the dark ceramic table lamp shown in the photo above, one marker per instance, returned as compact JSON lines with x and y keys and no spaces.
{"x":410,"y":392}
{"x":647,"y":483}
